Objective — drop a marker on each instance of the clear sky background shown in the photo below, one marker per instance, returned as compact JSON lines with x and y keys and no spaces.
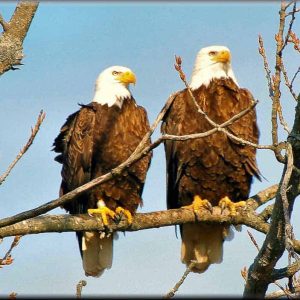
{"x":67,"y":46}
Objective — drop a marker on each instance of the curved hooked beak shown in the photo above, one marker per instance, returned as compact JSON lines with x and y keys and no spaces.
{"x":222,"y":56}
{"x":127,"y":77}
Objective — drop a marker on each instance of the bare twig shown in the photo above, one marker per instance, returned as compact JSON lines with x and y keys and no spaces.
{"x":288,"y":83}
{"x":79,"y":287}
{"x":295,"y":40}
{"x":294,"y":77}
{"x":292,"y":13}
{"x":253,"y":240}
{"x":7,"y":260}
{"x":281,"y":118}
{"x":285,"y":292}
{"x":13,"y":295}
{"x":34,"y":132}
{"x":3,"y":23}
{"x":262,"y":52}
{"x":274,"y":84}
{"x":173,"y":291}
{"x":283,"y":192}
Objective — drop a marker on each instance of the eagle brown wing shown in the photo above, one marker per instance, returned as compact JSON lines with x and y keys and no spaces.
{"x":75,"y":143}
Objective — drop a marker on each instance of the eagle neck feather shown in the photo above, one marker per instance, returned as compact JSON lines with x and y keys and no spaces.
{"x":112,"y":96}
{"x":204,"y":76}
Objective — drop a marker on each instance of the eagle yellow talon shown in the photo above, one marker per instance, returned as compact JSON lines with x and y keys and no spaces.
{"x":232,"y":206}
{"x":199,"y":203}
{"x":126,"y":212}
{"x":104,"y":212}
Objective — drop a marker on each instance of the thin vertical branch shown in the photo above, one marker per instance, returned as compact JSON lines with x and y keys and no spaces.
{"x":79,"y":287}
{"x":174,"y":290}
{"x":34,"y":132}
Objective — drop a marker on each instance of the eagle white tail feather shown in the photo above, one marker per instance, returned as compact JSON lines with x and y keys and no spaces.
{"x":203,"y":244}
{"x":97,"y":253}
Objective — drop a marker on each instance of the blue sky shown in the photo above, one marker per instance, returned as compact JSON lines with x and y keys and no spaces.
{"x":67,"y":46}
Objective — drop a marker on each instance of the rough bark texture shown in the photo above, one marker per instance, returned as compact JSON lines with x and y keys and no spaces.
{"x":260,"y":272}
{"x":65,"y":223}
{"x":11,"y":40}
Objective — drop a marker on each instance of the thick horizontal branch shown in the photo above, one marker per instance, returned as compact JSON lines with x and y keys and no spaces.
{"x":288,"y":271}
{"x":142,"y":149}
{"x":141,"y":221}
{"x":64,"y":223}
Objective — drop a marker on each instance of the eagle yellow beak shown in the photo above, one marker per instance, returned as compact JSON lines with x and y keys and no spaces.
{"x":222,"y":56}
{"x":127,"y":77}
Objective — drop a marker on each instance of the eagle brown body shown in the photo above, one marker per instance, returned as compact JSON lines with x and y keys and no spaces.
{"x":94,"y":140}
{"x":212,"y":167}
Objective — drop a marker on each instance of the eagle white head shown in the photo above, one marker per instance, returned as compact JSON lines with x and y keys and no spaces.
{"x":112,"y":85}
{"x":211,"y":62}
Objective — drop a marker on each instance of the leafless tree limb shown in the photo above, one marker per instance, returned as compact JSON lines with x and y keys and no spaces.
{"x":3,"y":23}
{"x":79,"y":287}
{"x":259,"y":276}
{"x":279,"y":236}
{"x":290,"y":24}
{"x":173,"y":291}
{"x":34,"y":132}
{"x":283,"y":193}
{"x":295,"y":40}
{"x":11,"y":40}
{"x":65,"y":223}
{"x":7,"y":260}
{"x":288,"y":83}
{"x":13,"y":295}
{"x":280,"y":293}
{"x":278,"y":274}
{"x":262,"y":52}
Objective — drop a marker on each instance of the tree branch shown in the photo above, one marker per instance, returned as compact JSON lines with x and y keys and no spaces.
{"x":34,"y":132}
{"x":3,"y":23}
{"x":66,"y":223}
{"x":141,"y":150}
{"x":11,"y":40}
{"x":173,"y":291}
{"x":259,"y":276}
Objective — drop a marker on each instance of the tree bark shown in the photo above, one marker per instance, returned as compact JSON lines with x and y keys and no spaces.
{"x":260,"y":272}
{"x":14,"y":33}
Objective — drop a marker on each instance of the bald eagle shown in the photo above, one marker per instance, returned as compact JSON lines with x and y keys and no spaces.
{"x":214,"y":170}
{"x":93,"y":140}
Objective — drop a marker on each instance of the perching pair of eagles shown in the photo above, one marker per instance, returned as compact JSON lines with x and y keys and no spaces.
{"x":202,"y":172}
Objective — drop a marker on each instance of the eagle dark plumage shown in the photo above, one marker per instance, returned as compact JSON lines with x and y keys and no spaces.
{"x":94,"y":140}
{"x":214,"y":168}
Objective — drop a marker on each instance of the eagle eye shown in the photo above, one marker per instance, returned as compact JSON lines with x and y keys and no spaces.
{"x":212,"y":53}
{"x":115,"y":73}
